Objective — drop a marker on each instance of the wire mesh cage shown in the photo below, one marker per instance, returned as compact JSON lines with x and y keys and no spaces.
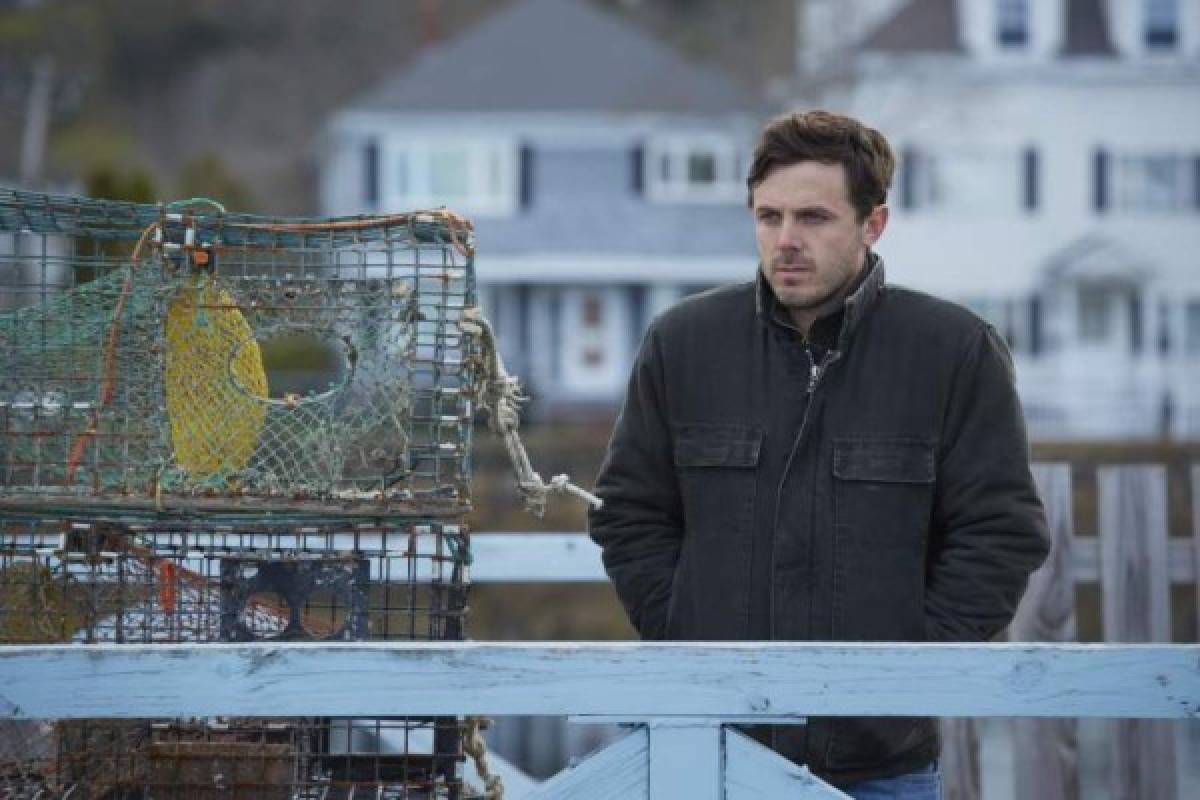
{"x":168,"y":475}
{"x":82,"y":580}
{"x":150,"y":358}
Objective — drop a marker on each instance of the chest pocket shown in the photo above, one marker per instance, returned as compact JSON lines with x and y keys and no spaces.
{"x":883,"y":489}
{"x":717,"y":468}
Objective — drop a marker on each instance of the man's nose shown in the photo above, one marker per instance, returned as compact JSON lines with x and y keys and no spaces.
{"x":789,"y":236}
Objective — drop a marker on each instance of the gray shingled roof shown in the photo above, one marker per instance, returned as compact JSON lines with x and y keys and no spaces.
{"x":931,"y":26}
{"x":556,"y":55}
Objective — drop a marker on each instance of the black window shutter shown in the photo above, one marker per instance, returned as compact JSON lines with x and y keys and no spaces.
{"x":524,"y":326}
{"x":1100,"y":181}
{"x":371,"y":173}
{"x":1030,"y":170}
{"x":1036,"y":342}
{"x":637,"y":313}
{"x":637,"y":164}
{"x":556,"y":331}
{"x":526,"y":177}
{"x":1196,"y":182}
{"x":908,"y":177}
{"x":1135,"y":322}
{"x":1164,"y":328}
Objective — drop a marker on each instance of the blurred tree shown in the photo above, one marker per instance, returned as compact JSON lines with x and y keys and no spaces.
{"x":111,"y":183}
{"x":207,"y":175}
{"x":82,"y":145}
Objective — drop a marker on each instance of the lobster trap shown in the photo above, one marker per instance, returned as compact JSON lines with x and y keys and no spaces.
{"x":229,"y":428}
{"x":150,"y":359}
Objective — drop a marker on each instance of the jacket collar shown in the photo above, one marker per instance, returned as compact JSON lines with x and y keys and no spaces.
{"x":856,"y":307}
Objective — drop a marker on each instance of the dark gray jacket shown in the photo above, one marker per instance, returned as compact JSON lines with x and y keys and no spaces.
{"x":884,"y":496}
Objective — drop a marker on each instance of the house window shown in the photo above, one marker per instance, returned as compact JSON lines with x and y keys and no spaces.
{"x":1155,"y":182}
{"x":476,"y":176}
{"x":695,"y":169}
{"x":1161,"y":30}
{"x":1012,"y":23}
{"x":1192,"y":327}
{"x":702,"y":169}
{"x":1095,"y":314}
{"x":977,"y":180}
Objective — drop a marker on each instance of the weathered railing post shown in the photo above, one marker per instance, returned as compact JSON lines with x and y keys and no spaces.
{"x":1133,"y":542}
{"x":1046,"y":751}
{"x":960,"y":758}
{"x":1196,"y":544}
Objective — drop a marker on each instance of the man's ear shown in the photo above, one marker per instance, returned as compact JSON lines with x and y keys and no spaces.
{"x":876,"y":221}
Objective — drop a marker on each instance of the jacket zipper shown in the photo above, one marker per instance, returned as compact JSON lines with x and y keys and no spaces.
{"x":815,"y":372}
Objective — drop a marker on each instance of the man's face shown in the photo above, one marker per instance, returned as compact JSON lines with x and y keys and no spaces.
{"x":810,"y":240}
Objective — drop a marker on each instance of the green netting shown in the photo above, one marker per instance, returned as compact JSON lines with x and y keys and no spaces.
{"x":156,"y":358}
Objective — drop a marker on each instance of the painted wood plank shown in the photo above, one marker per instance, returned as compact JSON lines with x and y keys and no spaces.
{"x":960,"y":758}
{"x":685,"y":759}
{"x":618,"y":772}
{"x":574,"y":558}
{"x":516,"y":783}
{"x":1046,"y":751}
{"x":1085,"y":560}
{"x":1136,"y":608}
{"x":753,"y":772}
{"x":1196,"y":542}
{"x":535,"y":558}
{"x":740,"y":679}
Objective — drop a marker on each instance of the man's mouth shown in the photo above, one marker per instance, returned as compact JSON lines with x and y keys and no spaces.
{"x":793,"y":266}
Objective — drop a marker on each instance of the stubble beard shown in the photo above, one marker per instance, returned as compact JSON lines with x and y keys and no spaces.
{"x":811,"y":297}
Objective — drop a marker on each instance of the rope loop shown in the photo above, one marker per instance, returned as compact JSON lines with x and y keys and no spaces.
{"x":499,"y":394}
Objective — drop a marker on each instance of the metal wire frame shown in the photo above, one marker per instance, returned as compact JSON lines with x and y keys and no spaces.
{"x":84,"y":291}
{"x":289,"y":759}
{"x":86,"y":580}
{"x":348,"y":522}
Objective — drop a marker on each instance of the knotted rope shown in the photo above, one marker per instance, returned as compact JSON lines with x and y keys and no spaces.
{"x":500,"y":395}
{"x":475,"y":746}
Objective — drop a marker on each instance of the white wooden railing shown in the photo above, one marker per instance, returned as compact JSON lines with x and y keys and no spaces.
{"x":680,"y":695}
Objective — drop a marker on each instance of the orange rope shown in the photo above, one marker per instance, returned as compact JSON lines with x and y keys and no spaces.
{"x":108,"y":385}
{"x":453,"y":221}
{"x":167,"y":590}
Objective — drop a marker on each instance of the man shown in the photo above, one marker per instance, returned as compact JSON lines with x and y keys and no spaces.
{"x":816,"y":455}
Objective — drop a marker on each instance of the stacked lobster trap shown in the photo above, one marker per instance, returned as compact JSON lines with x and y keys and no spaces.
{"x":167,"y":474}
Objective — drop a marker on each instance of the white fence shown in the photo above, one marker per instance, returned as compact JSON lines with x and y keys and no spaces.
{"x":680,"y":694}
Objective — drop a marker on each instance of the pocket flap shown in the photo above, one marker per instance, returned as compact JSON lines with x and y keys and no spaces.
{"x":884,"y":460}
{"x":717,"y":445}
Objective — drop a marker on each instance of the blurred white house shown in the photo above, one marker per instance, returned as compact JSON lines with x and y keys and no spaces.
{"x":1049,"y":177}
{"x":602,"y":169}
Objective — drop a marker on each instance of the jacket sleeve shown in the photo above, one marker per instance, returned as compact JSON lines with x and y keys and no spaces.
{"x":640,"y":527}
{"x":989,"y":528}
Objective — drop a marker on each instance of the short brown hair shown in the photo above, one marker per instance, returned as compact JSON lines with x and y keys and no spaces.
{"x":827,"y":138}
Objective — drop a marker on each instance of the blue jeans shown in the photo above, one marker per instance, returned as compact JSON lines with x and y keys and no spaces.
{"x":924,"y":784}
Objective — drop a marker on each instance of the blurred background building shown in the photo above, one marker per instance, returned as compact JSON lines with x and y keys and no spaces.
{"x":1049,"y":178}
{"x":603,"y":171}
